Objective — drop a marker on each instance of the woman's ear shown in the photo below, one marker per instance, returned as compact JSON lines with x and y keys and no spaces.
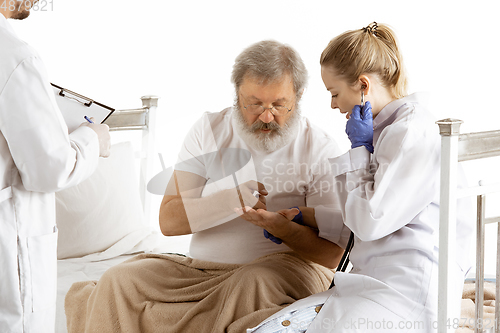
{"x":365,"y":83}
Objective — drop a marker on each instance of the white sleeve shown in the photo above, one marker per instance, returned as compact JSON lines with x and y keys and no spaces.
{"x":190,"y":158}
{"x":331,"y":225}
{"x":321,"y":190}
{"x":48,"y":159}
{"x":200,"y":155}
{"x":401,"y":184}
{"x":323,"y":196}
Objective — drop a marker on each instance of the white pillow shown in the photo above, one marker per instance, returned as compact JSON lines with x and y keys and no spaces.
{"x":97,"y":213}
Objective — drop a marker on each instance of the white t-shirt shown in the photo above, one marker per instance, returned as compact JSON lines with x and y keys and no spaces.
{"x":297,"y":174}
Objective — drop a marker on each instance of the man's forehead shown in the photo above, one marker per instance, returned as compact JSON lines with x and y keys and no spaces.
{"x":257,"y":99}
{"x":278,"y":90}
{"x":262,"y":80}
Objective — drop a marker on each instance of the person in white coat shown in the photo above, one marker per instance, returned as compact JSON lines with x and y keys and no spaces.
{"x":389,"y":187}
{"x":37,"y":158}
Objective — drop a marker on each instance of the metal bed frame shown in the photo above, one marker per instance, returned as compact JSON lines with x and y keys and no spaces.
{"x":456,"y":147}
{"x":143,"y":119}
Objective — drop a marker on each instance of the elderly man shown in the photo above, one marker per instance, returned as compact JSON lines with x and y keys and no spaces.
{"x":260,"y":153}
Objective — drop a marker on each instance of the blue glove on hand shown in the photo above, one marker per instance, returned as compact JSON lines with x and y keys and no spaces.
{"x":270,"y":236}
{"x":297,"y":219}
{"x":359,"y":127}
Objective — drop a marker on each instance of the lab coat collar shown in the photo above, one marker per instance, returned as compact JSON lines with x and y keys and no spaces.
{"x":390,"y":109}
{"x":4,"y":24}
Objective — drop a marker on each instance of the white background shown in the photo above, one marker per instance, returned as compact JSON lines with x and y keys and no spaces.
{"x":183,"y":51}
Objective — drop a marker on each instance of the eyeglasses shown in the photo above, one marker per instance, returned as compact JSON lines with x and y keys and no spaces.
{"x":277,"y":110}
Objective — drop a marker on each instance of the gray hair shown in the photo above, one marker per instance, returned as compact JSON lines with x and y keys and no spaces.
{"x":268,"y":61}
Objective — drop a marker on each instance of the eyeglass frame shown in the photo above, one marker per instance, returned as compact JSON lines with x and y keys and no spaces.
{"x":270,"y":109}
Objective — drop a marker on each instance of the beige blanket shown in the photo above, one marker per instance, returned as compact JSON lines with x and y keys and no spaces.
{"x":467,"y":320}
{"x":172,"y":293}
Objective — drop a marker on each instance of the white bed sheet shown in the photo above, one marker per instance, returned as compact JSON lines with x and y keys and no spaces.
{"x":92,"y":267}
{"x":69,"y":272}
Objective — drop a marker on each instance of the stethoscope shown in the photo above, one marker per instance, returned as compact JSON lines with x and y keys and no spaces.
{"x":345,"y":258}
{"x":344,"y":261}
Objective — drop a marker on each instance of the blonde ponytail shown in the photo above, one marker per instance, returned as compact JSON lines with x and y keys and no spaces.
{"x":370,"y":50}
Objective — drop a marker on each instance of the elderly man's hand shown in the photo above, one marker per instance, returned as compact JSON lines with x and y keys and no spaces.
{"x":251,"y":193}
{"x":276,"y":223}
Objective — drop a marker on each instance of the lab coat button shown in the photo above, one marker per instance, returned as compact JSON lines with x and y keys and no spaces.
{"x":317,"y":309}
{"x":286,"y":323}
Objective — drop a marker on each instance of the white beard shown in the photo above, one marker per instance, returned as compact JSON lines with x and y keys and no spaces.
{"x":267,"y":142}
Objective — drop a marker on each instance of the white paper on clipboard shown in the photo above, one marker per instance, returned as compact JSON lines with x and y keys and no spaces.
{"x":74,"y":107}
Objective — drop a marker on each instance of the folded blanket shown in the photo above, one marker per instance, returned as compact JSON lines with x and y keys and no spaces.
{"x":172,"y":293}
{"x":467,"y":320}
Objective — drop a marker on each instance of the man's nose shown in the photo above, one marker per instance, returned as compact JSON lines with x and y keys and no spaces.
{"x":266,"y":116}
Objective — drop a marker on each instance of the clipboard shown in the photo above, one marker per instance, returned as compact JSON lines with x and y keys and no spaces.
{"x":74,"y":107}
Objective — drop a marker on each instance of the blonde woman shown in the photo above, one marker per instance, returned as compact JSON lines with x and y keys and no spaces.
{"x":389,"y":187}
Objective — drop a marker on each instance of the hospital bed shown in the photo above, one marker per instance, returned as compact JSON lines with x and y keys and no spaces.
{"x":455,"y":148}
{"x":111,"y":216}
{"x":131,"y":229}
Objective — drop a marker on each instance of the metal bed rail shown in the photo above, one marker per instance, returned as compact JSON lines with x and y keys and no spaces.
{"x":456,"y":147}
{"x":143,"y":119}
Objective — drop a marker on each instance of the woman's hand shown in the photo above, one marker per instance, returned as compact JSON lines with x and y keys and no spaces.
{"x":359,"y":127}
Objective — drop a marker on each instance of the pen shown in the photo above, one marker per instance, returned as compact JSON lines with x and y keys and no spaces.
{"x":88,"y":119}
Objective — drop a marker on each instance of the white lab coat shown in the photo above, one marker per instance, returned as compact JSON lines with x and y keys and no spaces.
{"x":37,"y":158}
{"x":390,"y":200}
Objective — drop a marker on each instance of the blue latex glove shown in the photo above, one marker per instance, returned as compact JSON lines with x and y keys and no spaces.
{"x":270,"y":236}
{"x":297,"y":219}
{"x":359,"y":127}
